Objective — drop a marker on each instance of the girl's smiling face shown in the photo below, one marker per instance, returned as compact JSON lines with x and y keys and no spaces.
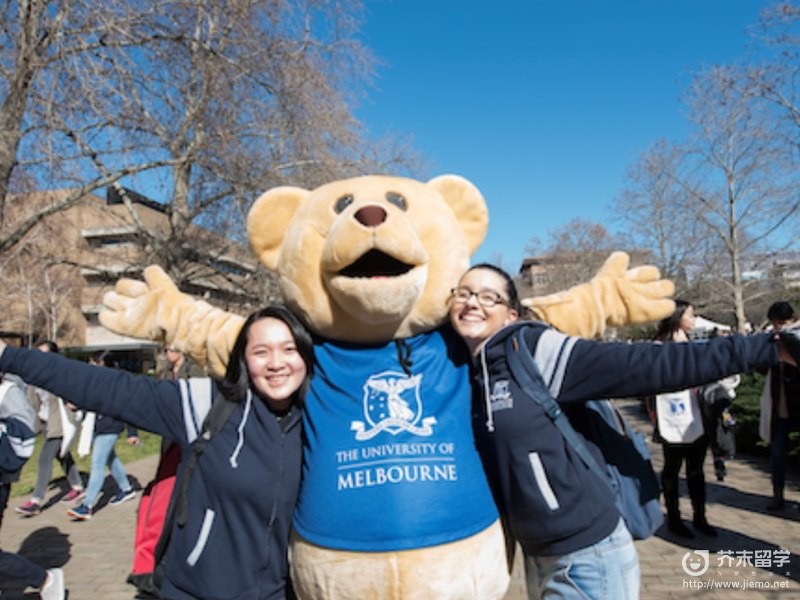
{"x":480,"y":307}
{"x":275,"y":366}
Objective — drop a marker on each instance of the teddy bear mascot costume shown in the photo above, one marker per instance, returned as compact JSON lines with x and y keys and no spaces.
{"x":393,"y":502}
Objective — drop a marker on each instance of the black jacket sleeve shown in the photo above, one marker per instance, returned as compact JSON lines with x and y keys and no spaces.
{"x":618,"y":370}
{"x":135,"y":399}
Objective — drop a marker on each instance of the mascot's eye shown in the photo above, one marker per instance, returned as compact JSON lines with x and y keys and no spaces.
{"x":343,"y":203}
{"x":397,"y":199}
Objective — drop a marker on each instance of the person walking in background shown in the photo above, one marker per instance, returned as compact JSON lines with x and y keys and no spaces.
{"x":17,"y":422}
{"x":717,"y":399}
{"x":681,"y":430}
{"x":106,"y":432}
{"x":57,"y":419}
{"x":179,"y":366}
{"x":780,"y":406}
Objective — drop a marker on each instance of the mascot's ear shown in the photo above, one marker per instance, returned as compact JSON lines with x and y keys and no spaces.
{"x":468,"y":205}
{"x":268,"y":221}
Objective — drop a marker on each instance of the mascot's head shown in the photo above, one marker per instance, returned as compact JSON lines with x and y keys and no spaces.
{"x":372,"y":258}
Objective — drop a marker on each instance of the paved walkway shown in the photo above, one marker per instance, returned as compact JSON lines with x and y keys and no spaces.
{"x":96,"y":555}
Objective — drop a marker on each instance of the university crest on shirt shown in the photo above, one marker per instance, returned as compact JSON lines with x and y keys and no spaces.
{"x":392,"y":404}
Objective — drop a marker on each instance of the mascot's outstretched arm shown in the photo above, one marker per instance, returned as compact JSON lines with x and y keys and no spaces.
{"x":615,"y":296}
{"x":156,"y":310}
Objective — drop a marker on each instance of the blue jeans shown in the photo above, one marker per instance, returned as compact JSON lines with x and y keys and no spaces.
{"x":608,"y":569}
{"x":103,"y":454}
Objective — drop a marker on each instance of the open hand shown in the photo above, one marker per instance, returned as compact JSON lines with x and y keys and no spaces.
{"x":133,"y":308}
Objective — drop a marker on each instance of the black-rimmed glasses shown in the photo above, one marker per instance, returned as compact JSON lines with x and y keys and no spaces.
{"x":486,"y":298}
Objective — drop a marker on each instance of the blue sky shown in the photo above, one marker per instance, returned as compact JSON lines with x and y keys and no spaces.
{"x":542,"y":105}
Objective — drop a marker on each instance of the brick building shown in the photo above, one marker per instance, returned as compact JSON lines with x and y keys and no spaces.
{"x":56,"y":278}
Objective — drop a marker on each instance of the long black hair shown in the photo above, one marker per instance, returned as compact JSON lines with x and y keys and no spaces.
{"x":511,"y":287}
{"x":669,"y":325}
{"x":237,"y":378}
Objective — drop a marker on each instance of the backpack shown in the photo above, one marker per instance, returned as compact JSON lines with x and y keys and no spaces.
{"x":17,"y":435}
{"x":150,"y":517}
{"x":166,"y":503}
{"x":628,"y":470}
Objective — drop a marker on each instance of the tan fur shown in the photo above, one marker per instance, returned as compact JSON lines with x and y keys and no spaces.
{"x":445,"y":221}
{"x":615,"y":296}
{"x":474,"y":567}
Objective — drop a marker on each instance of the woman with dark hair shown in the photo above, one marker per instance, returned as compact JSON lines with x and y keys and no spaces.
{"x":238,"y":375}
{"x":575,"y":543}
{"x":688,"y":442}
{"x":105,"y":431}
{"x":242,"y":493}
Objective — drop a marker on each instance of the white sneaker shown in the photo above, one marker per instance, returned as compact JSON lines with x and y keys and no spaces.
{"x":53,"y":588}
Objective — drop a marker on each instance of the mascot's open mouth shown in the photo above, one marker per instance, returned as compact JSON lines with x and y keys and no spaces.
{"x":376,"y":264}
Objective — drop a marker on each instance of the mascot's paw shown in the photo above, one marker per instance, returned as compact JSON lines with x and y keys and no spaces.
{"x":636,"y":295}
{"x":156,"y":310}
{"x":137,"y":309}
{"x":615,"y":296}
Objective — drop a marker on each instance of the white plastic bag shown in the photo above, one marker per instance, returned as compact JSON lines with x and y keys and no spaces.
{"x":68,"y":428}
{"x":87,"y":434}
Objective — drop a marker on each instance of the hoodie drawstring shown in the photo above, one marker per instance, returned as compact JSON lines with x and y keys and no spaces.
{"x":248,"y":402}
{"x":486,"y":398}
{"x":404,"y":356}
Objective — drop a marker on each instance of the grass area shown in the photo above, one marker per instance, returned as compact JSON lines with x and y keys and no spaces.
{"x":151,"y":444}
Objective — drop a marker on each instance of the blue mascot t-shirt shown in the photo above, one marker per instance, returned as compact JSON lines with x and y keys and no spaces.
{"x":390,"y":461}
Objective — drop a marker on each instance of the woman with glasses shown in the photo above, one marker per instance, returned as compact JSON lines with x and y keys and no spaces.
{"x":562,"y":514}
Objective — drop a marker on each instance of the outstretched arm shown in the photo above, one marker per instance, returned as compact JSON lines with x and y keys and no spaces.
{"x":580,"y":370}
{"x":156,"y":310}
{"x":615,"y":296}
{"x":142,"y":401}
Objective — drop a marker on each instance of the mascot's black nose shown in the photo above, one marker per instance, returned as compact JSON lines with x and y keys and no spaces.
{"x":370,"y":216}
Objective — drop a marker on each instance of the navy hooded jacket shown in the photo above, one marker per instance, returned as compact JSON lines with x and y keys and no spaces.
{"x":554,"y":503}
{"x":241,"y":494}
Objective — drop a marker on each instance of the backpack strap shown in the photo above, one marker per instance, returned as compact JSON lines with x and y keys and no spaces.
{"x":219,"y":413}
{"x":215,"y":420}
{"x":524,"y":370}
